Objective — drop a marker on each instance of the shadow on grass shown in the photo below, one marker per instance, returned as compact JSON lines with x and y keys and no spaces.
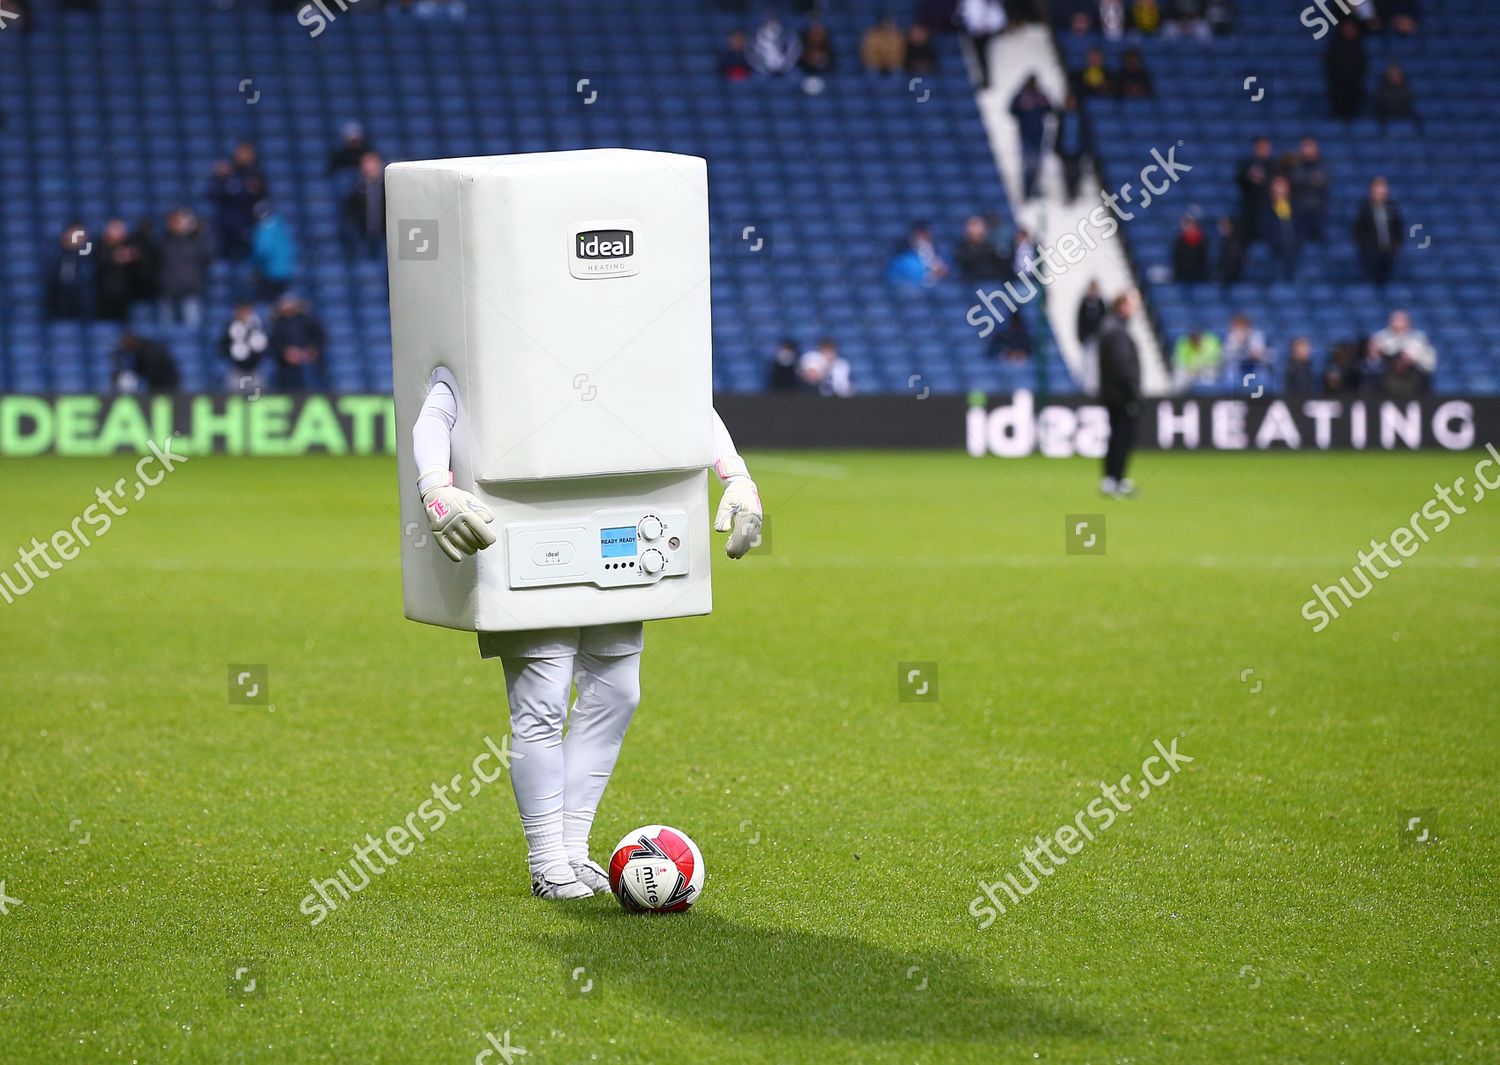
{"x":742,"y":978}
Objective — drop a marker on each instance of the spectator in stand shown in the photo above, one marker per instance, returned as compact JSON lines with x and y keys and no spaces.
{"x":1078,"y":16}
{"x":983,"y":21}
{"x":734,"y":60}
{"x":817,"y":60}
{"x":917,"y":262}
{"x":226,"y":195}
{"x":1340,"y":376}
{"x":186,"y":255}
{"x":883,"y":49}
{"x":1196,"y":361}
{"x":1409,"y":357}
{"x":1145,"y":16}
{"x":1022,"y":252}
{"x":1073,"y":143}
{"x":773,"y":50}
{"x":351,"y":149}
{"x":1190,"y":253}
{"x":143,"y":365}
{"x":1112,"y":19}
{"x":244,"y":346}
{"x":1094,"y":79}
{"x":1231,"y":253}
{"x":273,"y":252}
{"x":236,"y":187}
{"x":1399,"y":16}
{"x":1245,"y":351}
{"x":297,"y":340}
{"x":1310,"y":190}
{"x":1187,"y":18}
{"x":1394,"y":101}
{"x":1135,"y":80}
{"x":1345,"y":67}
{"x":825,"y":371}
{"x":145,"y":272}
{"x":113,"y":272}
{"x":70,"y":278}
{"x":364,"y":208}
{"x":1091,"y":313}
{"x":1030,"y":109}
{"x":921,"y":53}
{"x":1012,"y":341}
{"x":1371,"y":371}
{"x":1378,"y":233}
{"x":782,"y":375}
{"x":1254,"y":181}
{"x":1282,"y":231}
{"x":978,"y":258}
{"x":1299,"y":379}
{"x":1220,"y":16}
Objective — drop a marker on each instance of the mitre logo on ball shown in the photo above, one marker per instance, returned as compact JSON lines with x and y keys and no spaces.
{"x":656,"y":869}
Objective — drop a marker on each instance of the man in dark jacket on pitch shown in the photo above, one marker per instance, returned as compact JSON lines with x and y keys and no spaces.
{"x":1120,"y":391}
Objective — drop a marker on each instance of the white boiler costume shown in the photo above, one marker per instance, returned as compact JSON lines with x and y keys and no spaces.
{"x":550,"y":338}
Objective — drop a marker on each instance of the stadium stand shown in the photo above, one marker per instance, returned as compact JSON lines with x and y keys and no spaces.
{"x":1437,"y":170}
{"x":121,"y":113}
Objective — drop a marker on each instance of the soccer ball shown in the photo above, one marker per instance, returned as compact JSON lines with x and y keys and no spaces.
{"x":656,"y":869}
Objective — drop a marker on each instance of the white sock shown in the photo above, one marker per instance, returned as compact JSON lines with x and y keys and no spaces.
{"x":545,"y":852}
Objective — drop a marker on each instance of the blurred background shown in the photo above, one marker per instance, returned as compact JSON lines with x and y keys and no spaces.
{"x":193,"y":191}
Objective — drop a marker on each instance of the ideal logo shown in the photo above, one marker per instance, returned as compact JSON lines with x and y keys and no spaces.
{"x":603,"y":249}
{"x":606,"y":244}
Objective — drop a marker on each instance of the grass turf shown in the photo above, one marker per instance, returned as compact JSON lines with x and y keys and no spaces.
{"x":1262,"y":905}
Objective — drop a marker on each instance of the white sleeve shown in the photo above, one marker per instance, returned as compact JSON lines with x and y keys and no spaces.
{"x":727,"y":462}
{"x":430,"y":436}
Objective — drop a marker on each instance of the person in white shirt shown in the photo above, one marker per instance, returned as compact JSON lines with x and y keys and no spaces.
{"x":824,"y":369}
{"x":1408,"y":355}
{"x":983,"y":21}
{"x":1245,"y":352}
{"x":773,"y":50}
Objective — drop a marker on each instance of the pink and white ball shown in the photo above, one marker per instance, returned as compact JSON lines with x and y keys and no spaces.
{"x":656,"y":869}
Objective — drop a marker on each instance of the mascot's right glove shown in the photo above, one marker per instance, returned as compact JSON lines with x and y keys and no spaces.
{"x":460,"y":522}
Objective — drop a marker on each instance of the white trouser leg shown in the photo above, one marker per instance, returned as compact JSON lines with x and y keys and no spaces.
{"x":538,"y":692}
{"x":609,"y":689}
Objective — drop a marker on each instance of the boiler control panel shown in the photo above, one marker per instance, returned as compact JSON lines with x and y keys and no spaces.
{"x":611,"y":548}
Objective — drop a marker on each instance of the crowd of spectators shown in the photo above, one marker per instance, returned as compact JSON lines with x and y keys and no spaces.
{"x":1124,"y":19}
{"x":143,"y":276}
{"x":1396,"y":362}
{"x":1346,"y":71}
{"x":1285,"y":202}
{"x":978,"y":257}
{"x":775,"y":50}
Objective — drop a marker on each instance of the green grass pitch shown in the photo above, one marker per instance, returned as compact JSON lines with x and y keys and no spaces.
{"x":1266,"y":904}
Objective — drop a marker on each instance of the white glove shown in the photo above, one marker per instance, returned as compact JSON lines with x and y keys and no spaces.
{"x":460,"y":522}
{"x":739,"y":510}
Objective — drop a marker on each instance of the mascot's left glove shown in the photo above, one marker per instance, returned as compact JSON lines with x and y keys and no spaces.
{"x":739,"y":509}
{"x":460,"y":522}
